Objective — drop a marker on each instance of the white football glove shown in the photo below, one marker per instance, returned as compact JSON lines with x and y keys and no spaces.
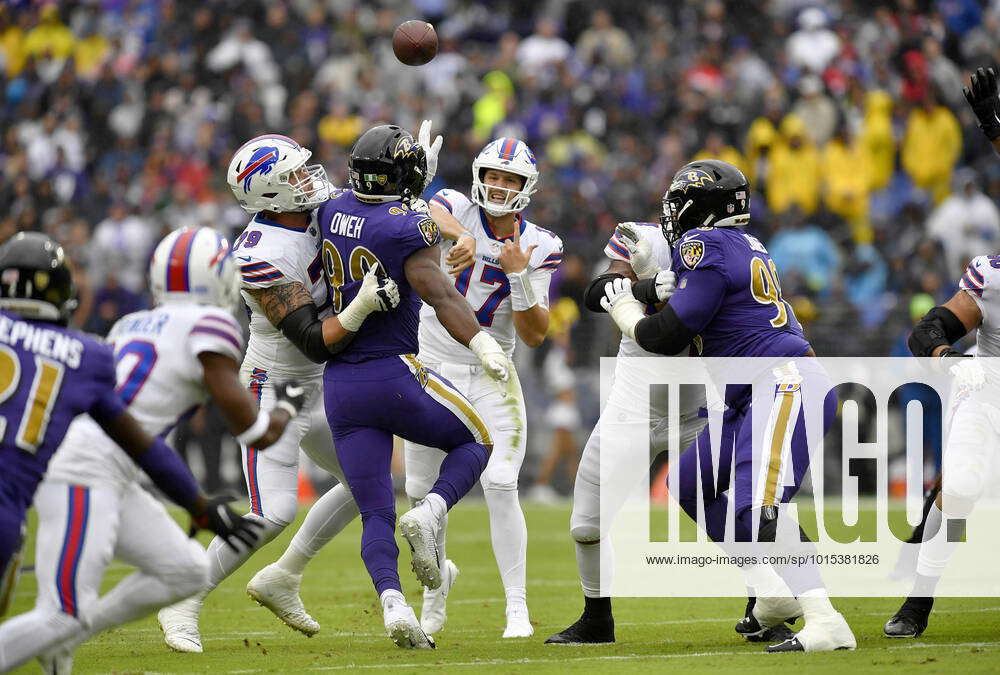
{"x":419,"y":205}
{"x":969,"y":375}
{"x":430,"y":149}
{"x":491,"y":356}
{"x":665,"y":284}
{"x":640,"y":251}
{"x":624,"y":309}
{"x":377,"y":294}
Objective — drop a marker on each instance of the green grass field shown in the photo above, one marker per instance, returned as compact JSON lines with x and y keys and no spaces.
{"x":690,"y":634}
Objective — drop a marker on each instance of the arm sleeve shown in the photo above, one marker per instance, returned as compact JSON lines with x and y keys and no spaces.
{"x":216,"y":332}
{"x":452,"y":201}
{"x":107,"y":403}
{"x":698,"y":298}
{"x":976,"y":282}
{"x":616,"y":250}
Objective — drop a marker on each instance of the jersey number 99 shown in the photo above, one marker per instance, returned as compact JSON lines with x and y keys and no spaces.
{"x":765,"y":288}
{"x":358,"y":263}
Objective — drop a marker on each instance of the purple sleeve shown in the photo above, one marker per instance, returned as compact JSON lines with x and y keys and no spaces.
{"x":170,"y":473}
{"x":107,"y":404}
{"x":698,"y":298}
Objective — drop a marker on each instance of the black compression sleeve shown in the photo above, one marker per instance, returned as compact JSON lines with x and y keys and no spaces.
{"x":595,"y":291}
{"x":644,"y":290}
{"x":939,"y":327}
{"x":663,"y":333}
{"x":304,"y":329}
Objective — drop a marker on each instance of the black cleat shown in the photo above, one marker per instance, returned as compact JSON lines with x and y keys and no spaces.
{"x":792,"y":644}
{"x":911,"y":619}
{"x":752,"y":631}
{"x":586,"y":631}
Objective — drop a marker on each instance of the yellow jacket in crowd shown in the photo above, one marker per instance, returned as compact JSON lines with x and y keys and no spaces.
{"x":846,"y":167}
{"x":794,"y":169}
{"x":877,"y":140}
{"x":931,"y":146}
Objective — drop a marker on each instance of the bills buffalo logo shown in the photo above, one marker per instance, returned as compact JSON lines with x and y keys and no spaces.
{"x":691,"y":178}
{"x":429,"y":231}
{"x":692,"y":252}
{"x":261,"y":162}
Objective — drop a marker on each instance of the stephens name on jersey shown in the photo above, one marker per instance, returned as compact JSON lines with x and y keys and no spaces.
{"x":48,"y":376}
{"x":484,"y":284}
{"x":273,"y":254}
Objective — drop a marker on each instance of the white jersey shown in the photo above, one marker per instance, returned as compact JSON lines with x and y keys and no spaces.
{"x":485,"y":285}
{"x":160,"y":379}
{"x":616,"y":250}
{"x":982,"y":282}
{"x":270,"y":254}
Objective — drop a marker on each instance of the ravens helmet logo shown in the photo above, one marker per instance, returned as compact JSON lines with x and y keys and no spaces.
{"x":692,"y":178}
{"x":403,"y":148}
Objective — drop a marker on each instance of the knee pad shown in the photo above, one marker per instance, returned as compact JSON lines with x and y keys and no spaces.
{"x":280,"y":509}
{"x":502,"y":476}
{"x":269,"y":528}
{"x":960,"y":485}
{"x":959,"y":505}
{"x":584,"y":529}
{"x":186,"y":573}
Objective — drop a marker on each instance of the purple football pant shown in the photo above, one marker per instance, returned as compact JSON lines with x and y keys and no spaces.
{"x":769,"y":474}
{"x":369,"y":403}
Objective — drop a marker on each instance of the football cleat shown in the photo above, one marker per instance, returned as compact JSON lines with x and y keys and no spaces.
{"x":433,"y":614}
{"x":402,"y":626}
{"x":586,"y":631}
{"x":418,"y":526}
{"x":179,"y":624}
{"x":278,"y":590}
{"x":761,"y":623}
{"x":829,"y":634}
{"x":911,"y":619}
{"x":518,"y":623}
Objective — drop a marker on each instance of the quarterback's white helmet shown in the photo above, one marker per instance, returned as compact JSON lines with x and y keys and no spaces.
{"x":269,"y":173}
{"x":512,"y":156}
{"x":194,"y":264}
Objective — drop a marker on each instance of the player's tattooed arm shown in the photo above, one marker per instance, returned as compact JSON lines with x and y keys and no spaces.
{"x":280,"y":301}
{"x":463,"y":253}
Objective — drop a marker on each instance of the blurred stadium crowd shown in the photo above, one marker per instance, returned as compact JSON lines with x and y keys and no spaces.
{"x":872,"y":186}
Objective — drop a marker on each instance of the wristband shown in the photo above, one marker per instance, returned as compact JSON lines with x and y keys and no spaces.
{"x":522,"y":293}
{"x":465,"y":234}
{"x":257,"y":429}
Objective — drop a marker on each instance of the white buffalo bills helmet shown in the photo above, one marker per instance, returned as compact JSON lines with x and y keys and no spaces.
{"x":196,"y":265}
{"x":512,"y":156}
{"x":269,"y":173}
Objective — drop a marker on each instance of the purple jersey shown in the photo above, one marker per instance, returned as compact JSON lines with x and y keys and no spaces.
{"x":356,"y":235}
{"x":728,"y":293}
{"x":48,"y":376}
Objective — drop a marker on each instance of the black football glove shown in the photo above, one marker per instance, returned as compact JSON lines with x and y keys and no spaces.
{"x":289,"y":396}
{"x":982,"y":96}
{"x":226,"y":523}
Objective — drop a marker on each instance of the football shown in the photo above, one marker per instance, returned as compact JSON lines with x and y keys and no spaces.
{"x":415,"y":42}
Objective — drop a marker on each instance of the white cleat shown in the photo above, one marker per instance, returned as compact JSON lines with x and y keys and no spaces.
{"x":179,"y":624}
{"x":518,"y":624}
{"x":278,"y":590}
{"x":57,"y":661}
{"x":825,"y":635}
{"x":773,"y":611}
{"x":418,"y":526}
{"x":402,"y":626}
{"x":433,"y":614}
